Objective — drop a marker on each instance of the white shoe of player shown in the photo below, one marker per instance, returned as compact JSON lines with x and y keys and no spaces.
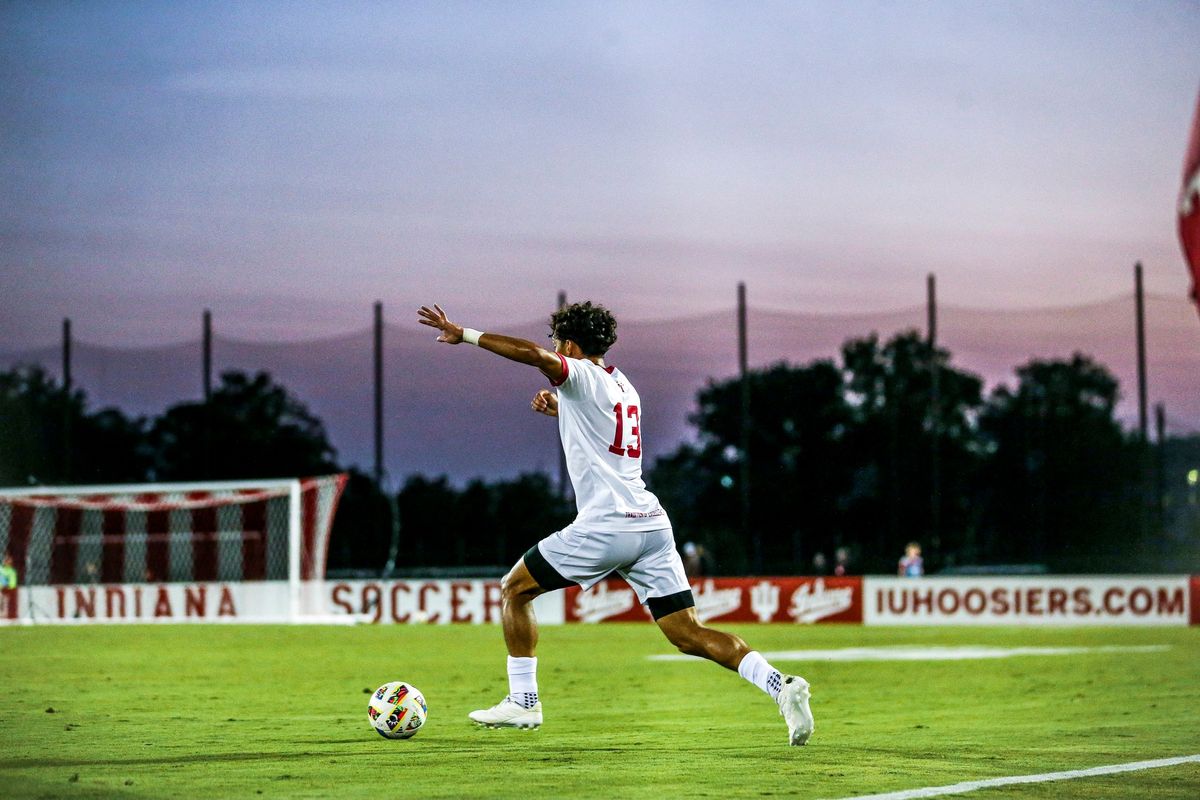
{"x":507,"y":714}
{"x":793,"y":705}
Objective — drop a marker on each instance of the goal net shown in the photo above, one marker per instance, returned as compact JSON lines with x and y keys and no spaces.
{"x":164,"y":533}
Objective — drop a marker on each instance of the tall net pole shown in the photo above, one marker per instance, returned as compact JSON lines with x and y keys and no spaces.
{"x":1143,"y":421}
{"x":749,"y":533}
{"x":206,"y":378}
{"x":563,"y":478}
{"x":935,"y":419}
{"x":379,"y":394}
{"x":67,"y":455}
{"x":1143,"y":425}
{"x":1160,"y":473}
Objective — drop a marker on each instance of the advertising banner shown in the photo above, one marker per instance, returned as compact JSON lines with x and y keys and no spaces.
{"x":1042,"y":600}
{"x":262,"y":601}
{"x":417,"y":601}
{"x":794,"y":600}
{"x":335,"y":602}
{"x":1048,"y":600}
{"x":1195,"y":616}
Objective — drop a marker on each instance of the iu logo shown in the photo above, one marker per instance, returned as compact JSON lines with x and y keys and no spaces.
{"x":764,"y":600}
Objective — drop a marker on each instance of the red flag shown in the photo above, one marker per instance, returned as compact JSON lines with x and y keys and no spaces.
{"x":1189,"y":207}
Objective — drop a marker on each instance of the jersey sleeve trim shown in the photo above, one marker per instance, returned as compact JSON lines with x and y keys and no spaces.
{"x":566,"y":371}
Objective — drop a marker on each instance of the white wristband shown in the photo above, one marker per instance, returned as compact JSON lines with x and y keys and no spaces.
{"x":471,"y":336}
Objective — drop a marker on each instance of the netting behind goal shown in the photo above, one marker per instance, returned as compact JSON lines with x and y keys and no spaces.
{"x":159,"y":533}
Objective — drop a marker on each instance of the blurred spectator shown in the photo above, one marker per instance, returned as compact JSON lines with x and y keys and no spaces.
{"x":841,"y":558}
{"x":693,"y":559}
{"x":911,"y":566}
{"x":820,"y":564}
{"x":8,"y":573}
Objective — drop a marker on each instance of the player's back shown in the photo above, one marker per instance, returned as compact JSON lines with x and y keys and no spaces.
{"x":600,"y":424}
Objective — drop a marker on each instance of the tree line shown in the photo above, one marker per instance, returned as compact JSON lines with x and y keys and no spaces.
{"x":250,"y":428}
{"x":842,"y":456}
{"x":849,"y":454}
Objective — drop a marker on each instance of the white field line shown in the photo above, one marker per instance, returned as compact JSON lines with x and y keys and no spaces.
{"x":905,"y":653}
{"x":970,"y":786}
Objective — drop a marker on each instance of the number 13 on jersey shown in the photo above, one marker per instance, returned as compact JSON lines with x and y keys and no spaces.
{"x":618,"y":446}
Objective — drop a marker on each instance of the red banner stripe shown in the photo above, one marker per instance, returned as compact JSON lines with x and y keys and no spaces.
{"x":158,"y":529}
{"x":112,"y":558}
{"x":64,"y":546}
{"x":308,"y":527}
{"x":254,"y":533}
{"x":204,"y":539}
{"x":20,"y":527}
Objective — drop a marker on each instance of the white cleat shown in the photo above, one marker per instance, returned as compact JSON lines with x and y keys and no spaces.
{"x":507,"y":714}
{"x":793,"y":705}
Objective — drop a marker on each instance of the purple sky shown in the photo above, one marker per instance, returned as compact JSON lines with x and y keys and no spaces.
{"x":286,"y":164}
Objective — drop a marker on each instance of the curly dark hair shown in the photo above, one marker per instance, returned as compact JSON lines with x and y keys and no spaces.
{"x":592,"y":327}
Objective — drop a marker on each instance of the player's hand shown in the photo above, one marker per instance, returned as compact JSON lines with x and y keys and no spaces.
{"x":545,"y":402}
{"x":436,"y":318}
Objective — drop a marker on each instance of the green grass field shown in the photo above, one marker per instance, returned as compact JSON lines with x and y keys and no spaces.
{"x":210,"y":711}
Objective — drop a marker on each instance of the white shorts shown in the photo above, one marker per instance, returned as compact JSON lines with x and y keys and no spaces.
{"x":647,"y":560}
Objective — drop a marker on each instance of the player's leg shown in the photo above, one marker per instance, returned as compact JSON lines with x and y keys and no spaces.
{"x":517,"y":592}
{"x":521,"y":707}
{"x":790,"y":692}
{"x":669,"y":598}
{"x":531,"y":576}
{"x":684,"y":630}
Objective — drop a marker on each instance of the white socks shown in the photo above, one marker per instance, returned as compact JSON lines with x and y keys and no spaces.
{"x":522,"y":681}
{"x":755,"y":669}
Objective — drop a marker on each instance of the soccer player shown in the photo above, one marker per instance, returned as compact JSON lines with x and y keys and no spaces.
{"x":620,"y":525}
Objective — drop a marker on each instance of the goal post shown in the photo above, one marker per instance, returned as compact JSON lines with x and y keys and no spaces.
{"x":227,"y":532}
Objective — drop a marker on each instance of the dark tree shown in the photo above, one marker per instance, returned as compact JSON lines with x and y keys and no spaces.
{"x":1064,"y":481}
{"x":527,"y":509}
{"x":47,"y":435}
{"x":484,"y":525}
{"x":252,"y":428}
{"x":362,"y":528}
{"x":890,"y":444}
{"x":798,"y":470}
{"x":1180,"y":516}
{"x":429,"y":528}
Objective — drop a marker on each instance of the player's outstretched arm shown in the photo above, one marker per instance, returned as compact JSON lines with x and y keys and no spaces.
{"x":520,"y":350}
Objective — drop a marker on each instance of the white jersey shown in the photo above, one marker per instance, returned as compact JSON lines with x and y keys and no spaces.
{"x":599,"y":423}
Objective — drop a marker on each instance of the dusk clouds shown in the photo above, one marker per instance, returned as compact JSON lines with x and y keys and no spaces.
{"x":257,"y":158}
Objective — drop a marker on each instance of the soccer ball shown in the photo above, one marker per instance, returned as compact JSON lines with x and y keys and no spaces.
{"x":397,"y":710}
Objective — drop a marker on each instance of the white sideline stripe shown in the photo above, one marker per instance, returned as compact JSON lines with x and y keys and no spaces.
{"x":904,"y":653}
{"x":1045,"y":777}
